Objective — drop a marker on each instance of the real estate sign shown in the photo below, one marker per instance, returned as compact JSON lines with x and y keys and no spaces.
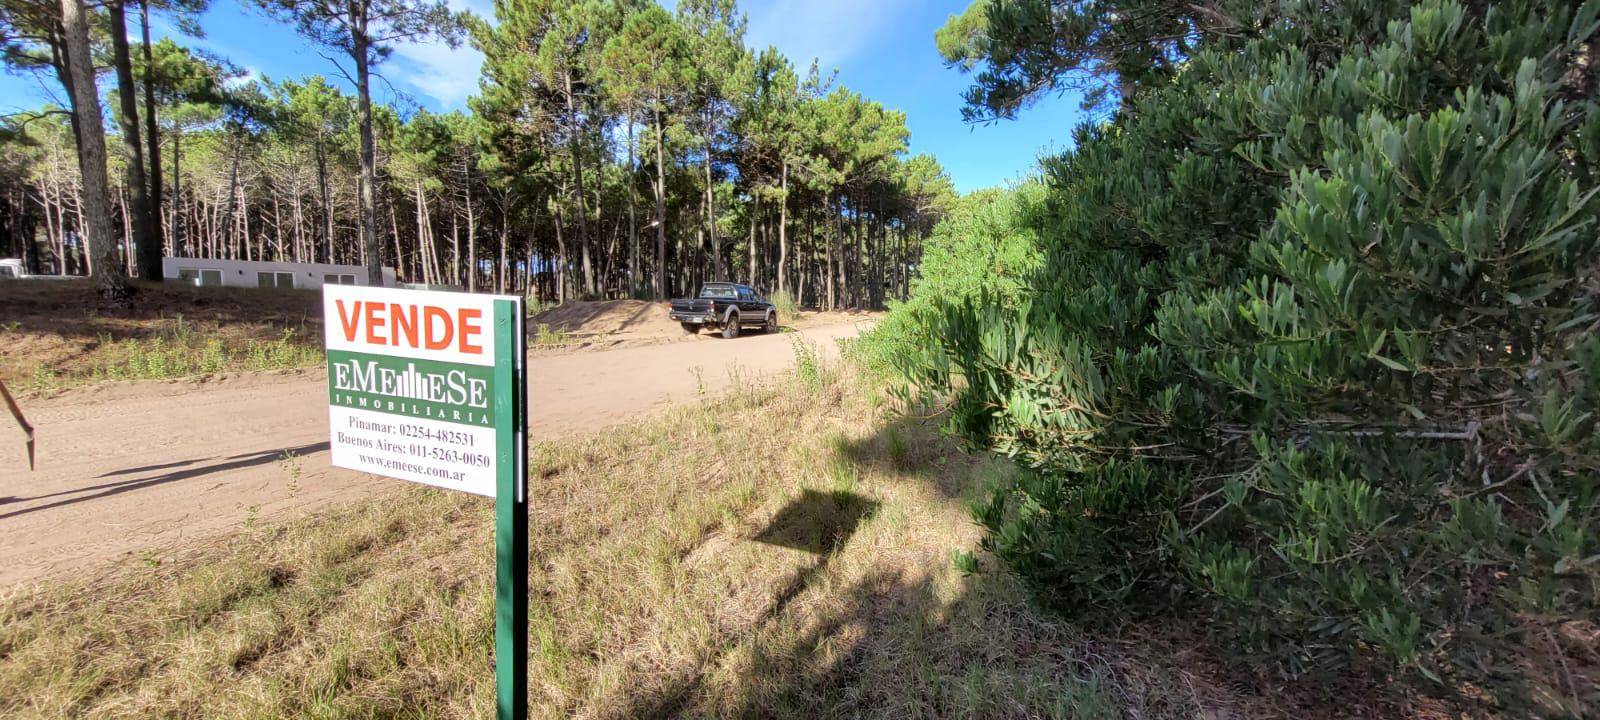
{"x":430,"y":387}
{"x":412,"y":386}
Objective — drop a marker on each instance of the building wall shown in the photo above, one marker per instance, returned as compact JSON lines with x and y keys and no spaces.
{"x":241,"y":273}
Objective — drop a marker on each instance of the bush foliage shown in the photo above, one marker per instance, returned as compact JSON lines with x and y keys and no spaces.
{"x":1314,"y":350}
{"x":987,"y":248}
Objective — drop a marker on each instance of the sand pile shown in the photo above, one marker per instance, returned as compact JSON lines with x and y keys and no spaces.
{"x":612,"y":318}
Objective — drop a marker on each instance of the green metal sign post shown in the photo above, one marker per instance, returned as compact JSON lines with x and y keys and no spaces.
{"x":432,"y":387}
{"x":511,"y":519}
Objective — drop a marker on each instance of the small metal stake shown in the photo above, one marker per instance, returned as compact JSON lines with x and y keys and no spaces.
{"x":16,"y":412}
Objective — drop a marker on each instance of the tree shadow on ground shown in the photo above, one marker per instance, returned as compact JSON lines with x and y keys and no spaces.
{"x":895,"y":644}
{"x":639,"y":317}
{"x":912,"y":447}
{"x":868,"y":630}
{"x":123,"y":486}
{"x":1053,"y":664}
{"x":304,"y":449}
{"x":816,"y":523}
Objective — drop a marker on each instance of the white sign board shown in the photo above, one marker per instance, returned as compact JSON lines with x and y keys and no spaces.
{"x":420,"y":382}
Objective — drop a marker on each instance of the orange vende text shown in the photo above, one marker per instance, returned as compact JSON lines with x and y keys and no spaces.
{"x":419,"y":327}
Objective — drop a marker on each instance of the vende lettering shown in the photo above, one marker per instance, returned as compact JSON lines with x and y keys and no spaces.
{"x":419,"y":327}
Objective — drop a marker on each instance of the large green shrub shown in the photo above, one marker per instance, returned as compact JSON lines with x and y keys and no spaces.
{"x":1314,"y":349}
{"x":987,"y":248}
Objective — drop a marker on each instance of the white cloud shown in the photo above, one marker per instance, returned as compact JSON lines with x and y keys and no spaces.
{"x":248,"y":75}
{"x":446,"y":74}
{"x":832,"y":31}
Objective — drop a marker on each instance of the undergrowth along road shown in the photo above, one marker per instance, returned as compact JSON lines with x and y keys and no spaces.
{"x":678,"y":569}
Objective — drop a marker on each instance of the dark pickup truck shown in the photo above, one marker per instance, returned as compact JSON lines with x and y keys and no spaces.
{"x":726,"y":307}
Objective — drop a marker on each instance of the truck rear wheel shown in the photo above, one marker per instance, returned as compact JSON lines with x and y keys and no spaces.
{"x":772,"y":323}
{"x":730,"y":328}
{"x":690,"y":328}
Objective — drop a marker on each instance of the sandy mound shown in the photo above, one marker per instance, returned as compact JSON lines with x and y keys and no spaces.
{"x":624,"y":318}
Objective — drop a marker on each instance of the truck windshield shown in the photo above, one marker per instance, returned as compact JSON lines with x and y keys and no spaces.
{"x":718,"y":292}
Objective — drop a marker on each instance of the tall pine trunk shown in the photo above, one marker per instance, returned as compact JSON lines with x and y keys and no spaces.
{"x":755,"y":213}
{"x":505,"y":240}
{"x":400,"y":269}
{"x":151,"y":255}
{"x":661,"y":210}
{"x":422,"y":233}
{"x":455,"y":248}
{"x":577,"y":176}
{"x":96,"y":192}
{"x":561,"y":254}
{"x":233,"y":191}
{"x":180,"y":243}
{"x":783,"y":233}
{"x":139,"y":218}
{"x":370,"y":250}
{"x":472,"y":243}
{"x":319,"y":149}
{"x":633,"y":221}
{"x":719,"y":272}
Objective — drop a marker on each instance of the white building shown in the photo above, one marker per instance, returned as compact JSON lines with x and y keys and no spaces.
{"x":208,"y":272}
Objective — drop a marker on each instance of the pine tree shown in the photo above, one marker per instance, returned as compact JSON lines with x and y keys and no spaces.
{"x":1022,"y":50}
{"x":365,"y":30}
{"x":316,"y":112}
{"x":645,"y":65}
{"x":768,"y":123}
{"x":715,"y":32}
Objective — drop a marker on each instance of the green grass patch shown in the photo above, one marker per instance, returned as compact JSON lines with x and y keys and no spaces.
{"x":179,"y":348}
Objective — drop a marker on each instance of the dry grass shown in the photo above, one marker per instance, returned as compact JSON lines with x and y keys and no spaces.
{"x":773,"y":553}
{"x":57,"y":333}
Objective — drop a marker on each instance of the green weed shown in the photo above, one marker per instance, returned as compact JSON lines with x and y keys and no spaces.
{"x":785,"y":305}
{"x":546,"y":336}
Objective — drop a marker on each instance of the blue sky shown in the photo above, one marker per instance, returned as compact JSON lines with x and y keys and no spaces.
{"x":882,"y":49}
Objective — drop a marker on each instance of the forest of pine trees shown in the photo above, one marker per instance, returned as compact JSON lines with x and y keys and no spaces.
{"x":613,"y":149}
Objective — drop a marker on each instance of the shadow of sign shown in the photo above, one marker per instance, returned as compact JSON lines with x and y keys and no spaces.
{"x":817,"y":522}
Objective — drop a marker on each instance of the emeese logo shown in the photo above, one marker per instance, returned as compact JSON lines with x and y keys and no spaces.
{"x":450,"y":387}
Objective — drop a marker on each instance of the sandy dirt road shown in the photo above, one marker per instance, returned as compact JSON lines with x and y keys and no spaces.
{"x":129,"y":470}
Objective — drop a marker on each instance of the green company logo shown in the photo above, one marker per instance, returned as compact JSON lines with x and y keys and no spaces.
{"x":429,"y":389}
